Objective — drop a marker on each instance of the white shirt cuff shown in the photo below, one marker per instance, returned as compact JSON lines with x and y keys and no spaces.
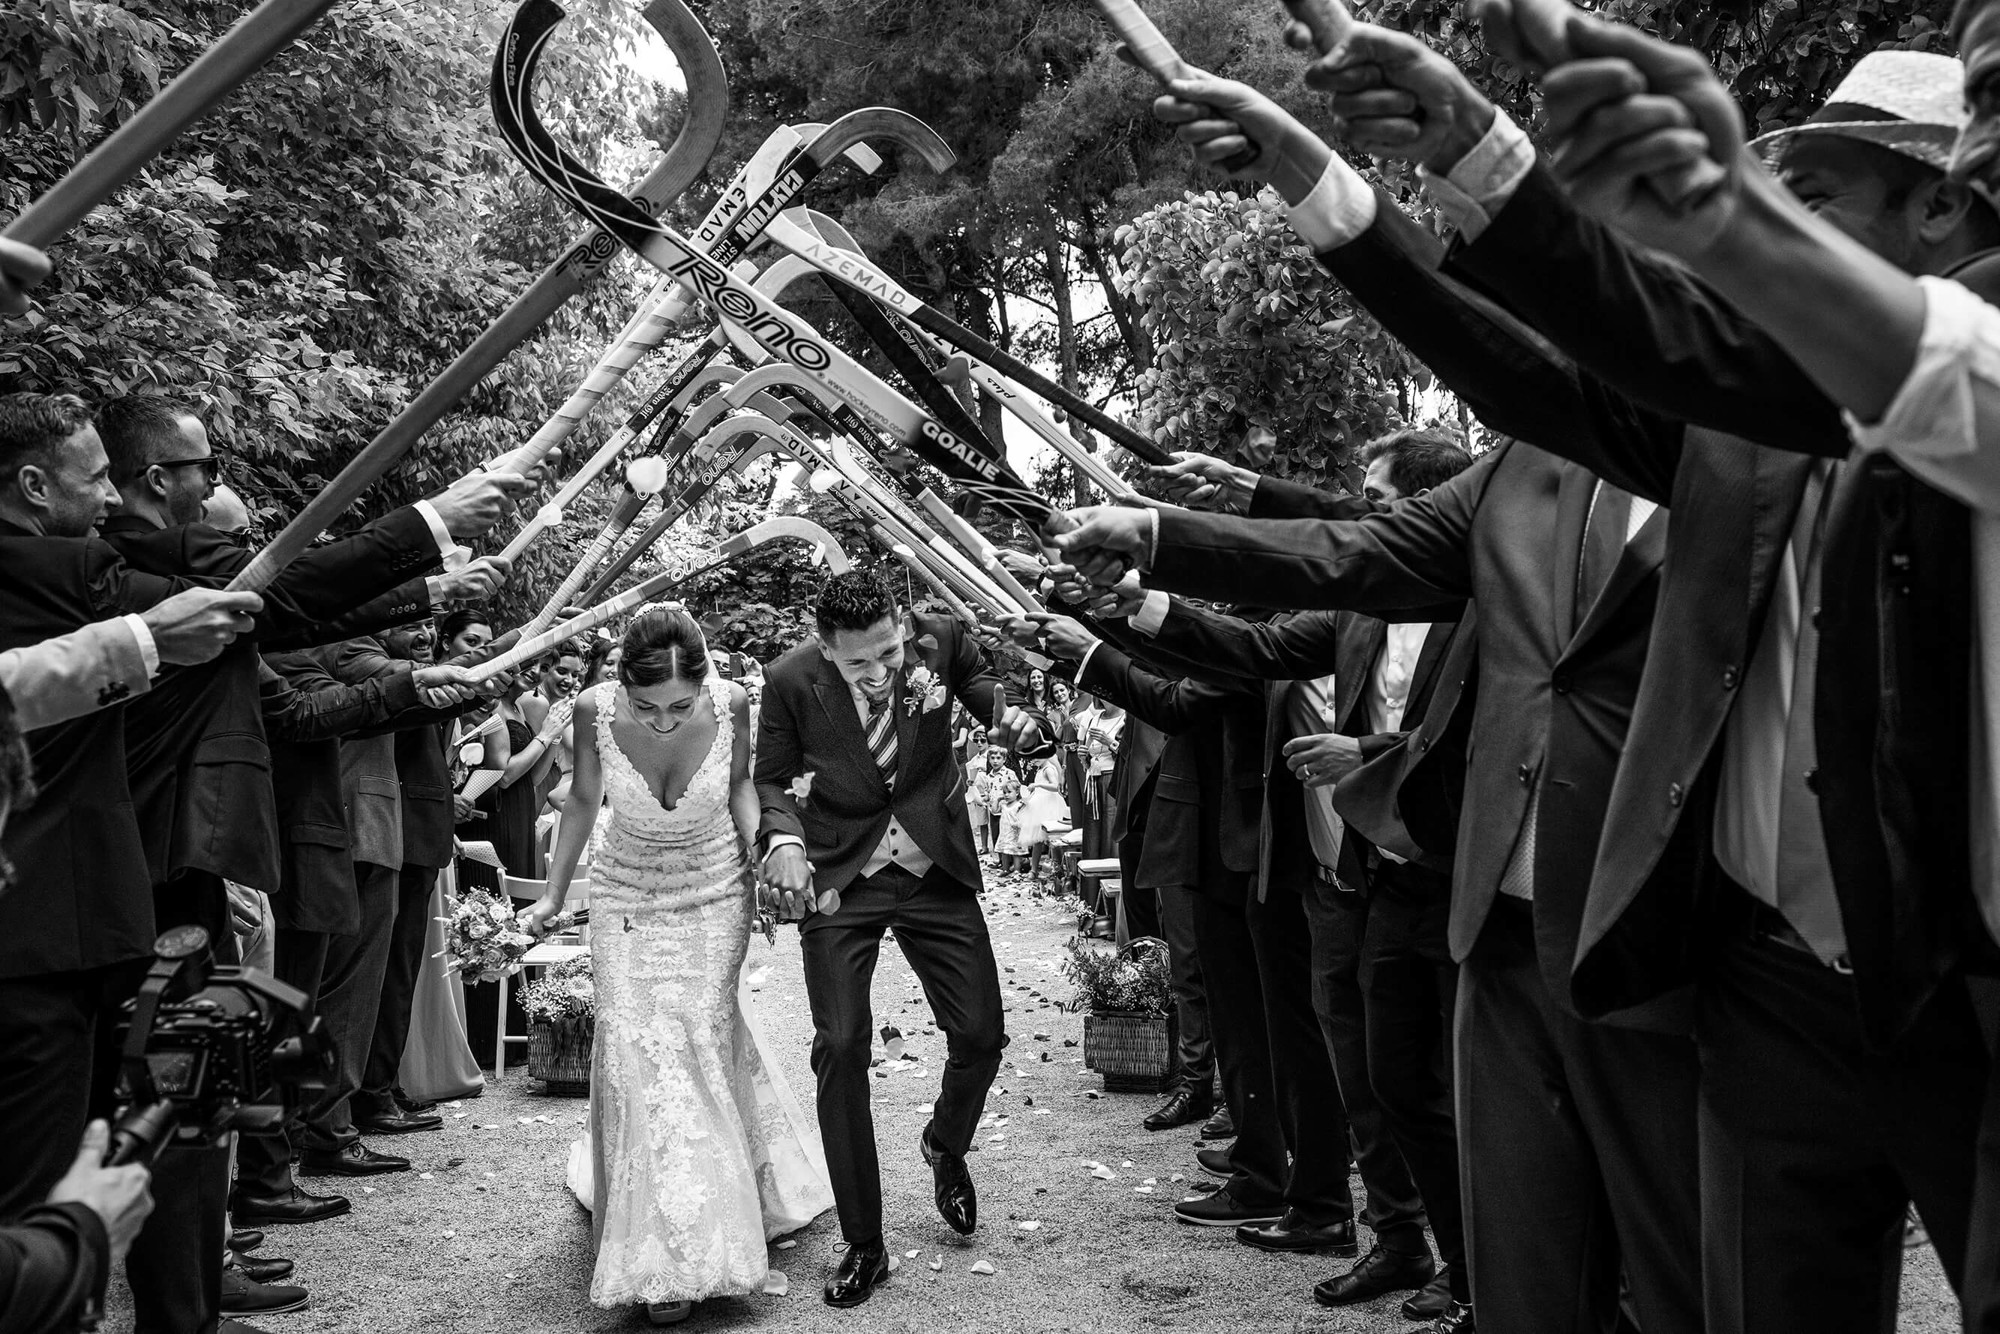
{"x":454,"y":555}
{"x":1152,"y":613}
{"x":149,"y":652}
{"x":1480,"y":183}
{"x":1340,"y":208}
{"x":1934,"y":425}
{"x":1084,"y":664}
{"x":1152,"y":537}
{"x":776,"y":841}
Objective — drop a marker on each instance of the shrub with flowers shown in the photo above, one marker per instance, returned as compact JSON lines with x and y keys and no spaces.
{"x":566,"y":994}
{"x":481,"y":941}
{"x":1134,"y":979}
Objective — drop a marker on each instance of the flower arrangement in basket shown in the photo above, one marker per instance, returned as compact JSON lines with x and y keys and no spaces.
{"x":481,"y":941}
{"x":562,"y":1023}
{"x":1129,"y":1029}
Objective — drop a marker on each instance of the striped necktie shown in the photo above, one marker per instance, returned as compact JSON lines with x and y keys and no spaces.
{"x":882,"y":735}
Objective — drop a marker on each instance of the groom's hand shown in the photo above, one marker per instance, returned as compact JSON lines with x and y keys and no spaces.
{"x":1016,"y":729}
{"x":789,"y":876}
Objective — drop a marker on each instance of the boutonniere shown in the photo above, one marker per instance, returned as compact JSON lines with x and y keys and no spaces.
{"x":802,"y":787}
{"x":926,"y":690}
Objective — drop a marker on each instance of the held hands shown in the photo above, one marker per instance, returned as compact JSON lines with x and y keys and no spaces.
{"x":1235,"y":129}
{"x":476,"y":581}
{"x":1324,"y":759}
{"x":471,"y":505}
{"x":120,"y":1196}
{"x":1105,"y":542}
{"x":194,"y":625}
{"x":786,"y":889}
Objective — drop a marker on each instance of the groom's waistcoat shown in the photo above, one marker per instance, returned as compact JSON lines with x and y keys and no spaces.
{"x":817,"y":779}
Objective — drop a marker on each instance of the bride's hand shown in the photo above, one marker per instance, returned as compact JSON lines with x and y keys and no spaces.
{"x":534,"y":919}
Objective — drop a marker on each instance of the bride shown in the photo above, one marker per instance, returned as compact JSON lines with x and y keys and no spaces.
{"x":698,"y":1155}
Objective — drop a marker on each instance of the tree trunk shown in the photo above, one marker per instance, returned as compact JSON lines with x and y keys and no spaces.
{"x":1072,"y":380}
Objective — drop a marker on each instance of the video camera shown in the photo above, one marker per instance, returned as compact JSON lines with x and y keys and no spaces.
{"x":208,"y":1049}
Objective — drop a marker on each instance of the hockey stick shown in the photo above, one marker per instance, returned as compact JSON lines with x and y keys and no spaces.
{"x":777,"y":330}
{"x":707,"y":107}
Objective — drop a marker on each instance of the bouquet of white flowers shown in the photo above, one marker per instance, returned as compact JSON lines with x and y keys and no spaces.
{"x":482,"y":942}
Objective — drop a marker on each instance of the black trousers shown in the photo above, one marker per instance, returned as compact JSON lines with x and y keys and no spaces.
{"x":1329,"y":925}
{"x":1144,"y":913}
{"x":264,"y":1162}
{"x":1243,"y":1052}
{"x":942,"y":933}
{"x":1812,"y":1144}
{"x":1578,"y":1153}
{"x":1197,"y":1045}
{"x":377,"y":1096}
{"x":350,"y":994}
{"x":1409,"y":985}
{"x":1981,"y":1292}
{"x":58,"y":1069}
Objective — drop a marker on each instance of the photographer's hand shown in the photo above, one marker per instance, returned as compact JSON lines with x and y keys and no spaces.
{"x":120,"y":1196}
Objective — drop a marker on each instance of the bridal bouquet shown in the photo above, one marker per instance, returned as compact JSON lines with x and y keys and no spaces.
{"x":481,"y":941}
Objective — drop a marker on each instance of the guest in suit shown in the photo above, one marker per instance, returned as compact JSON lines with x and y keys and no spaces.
{"x":1384,"y":985}
{"x":107,"y":662}
{"x":1560,"y":657}
{"x":1830,"y":828}
{"x":864,"y":820}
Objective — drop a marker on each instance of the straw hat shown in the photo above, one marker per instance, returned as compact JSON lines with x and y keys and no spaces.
{"x":1910,"y":102}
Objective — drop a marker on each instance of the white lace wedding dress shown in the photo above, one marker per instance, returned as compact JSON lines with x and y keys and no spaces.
{"x":698,"y":1154}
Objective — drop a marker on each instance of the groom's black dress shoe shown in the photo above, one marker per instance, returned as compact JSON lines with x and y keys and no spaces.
{"x":1184,"y":1105}
{"x":956,"y":1202}
{"x":860,"y":1270}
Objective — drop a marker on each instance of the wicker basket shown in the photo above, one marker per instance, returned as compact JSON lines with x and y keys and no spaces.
{"x":559,"y":1055}
{"x":1134,"y":1052}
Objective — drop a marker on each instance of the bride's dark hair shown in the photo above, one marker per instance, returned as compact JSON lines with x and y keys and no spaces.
{"x":663,"y":644}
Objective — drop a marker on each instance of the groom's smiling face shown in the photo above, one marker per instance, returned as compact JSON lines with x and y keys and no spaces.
{"x":867,"y":659}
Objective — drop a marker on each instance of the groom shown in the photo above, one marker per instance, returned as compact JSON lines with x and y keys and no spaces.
{"x":864,"y":829}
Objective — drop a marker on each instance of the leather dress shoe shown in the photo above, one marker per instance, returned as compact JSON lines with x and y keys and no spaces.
{"x":1457,"y":1319}
{"x":398,"y":1122}
{"x":1378,"y":1272}
{"x":861,"y":1269}
{"x":957,"y":1203}
{"x":356,"y":1160}
{"x":245,"y":1239}
{"x":1433,"y":1299}
{"x":1182,"y":1106}
{"x":1215,"y":1162}
{"x":1219,"y":1126}
{"x":294,"y":1206}
{"x":265,"y":1269}
{"x":243,"y":1296}
{"x":1222,"y":1209}
{"x":1293,"y":1233}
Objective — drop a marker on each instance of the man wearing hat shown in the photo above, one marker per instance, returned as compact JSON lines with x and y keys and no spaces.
{"x":1789,"y":826}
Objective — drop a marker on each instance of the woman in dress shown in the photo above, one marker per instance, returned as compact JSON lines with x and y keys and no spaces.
{"x":697,"y":1153}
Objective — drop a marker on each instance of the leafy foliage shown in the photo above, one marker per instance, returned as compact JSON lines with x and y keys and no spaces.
{"x":1135,"y":979}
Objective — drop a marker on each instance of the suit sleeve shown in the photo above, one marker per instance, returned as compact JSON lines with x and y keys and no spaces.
{"x":406,"y":602}
{"x":1277,"y":498}
{"x":779,"y":761}
{"x":1171,"y":706}
{"x":1416,"y":553}
{"x":74,"y":674}
{"x":1297,"y":648}
{"x":328,"y":581}
{"x":55,"y":1260}
{"x":979,"y":687}
{"x":1644,"y":324}
{"x":332,"y":710}
{"x":1509,"y":375}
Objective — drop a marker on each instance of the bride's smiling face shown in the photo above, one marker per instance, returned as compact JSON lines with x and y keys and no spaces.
{"x":662,"y":708}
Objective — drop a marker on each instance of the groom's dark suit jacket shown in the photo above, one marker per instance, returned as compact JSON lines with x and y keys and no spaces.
{"x":808,"y":724}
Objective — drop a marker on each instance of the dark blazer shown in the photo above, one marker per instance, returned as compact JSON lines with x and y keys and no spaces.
{"x":423,"y":770}
{"x":1302,"y":646}
{"x":1133,"y":771}
{"x":199,"y":761}
{"x":82,"y":898}
{"x":306,"y":712}
{"x":1895,"y":622}
{"x":1208,"y":792}
{"x":808,"y":724}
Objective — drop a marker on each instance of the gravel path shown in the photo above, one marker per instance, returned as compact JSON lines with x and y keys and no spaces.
{"x":482,"y":1235}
